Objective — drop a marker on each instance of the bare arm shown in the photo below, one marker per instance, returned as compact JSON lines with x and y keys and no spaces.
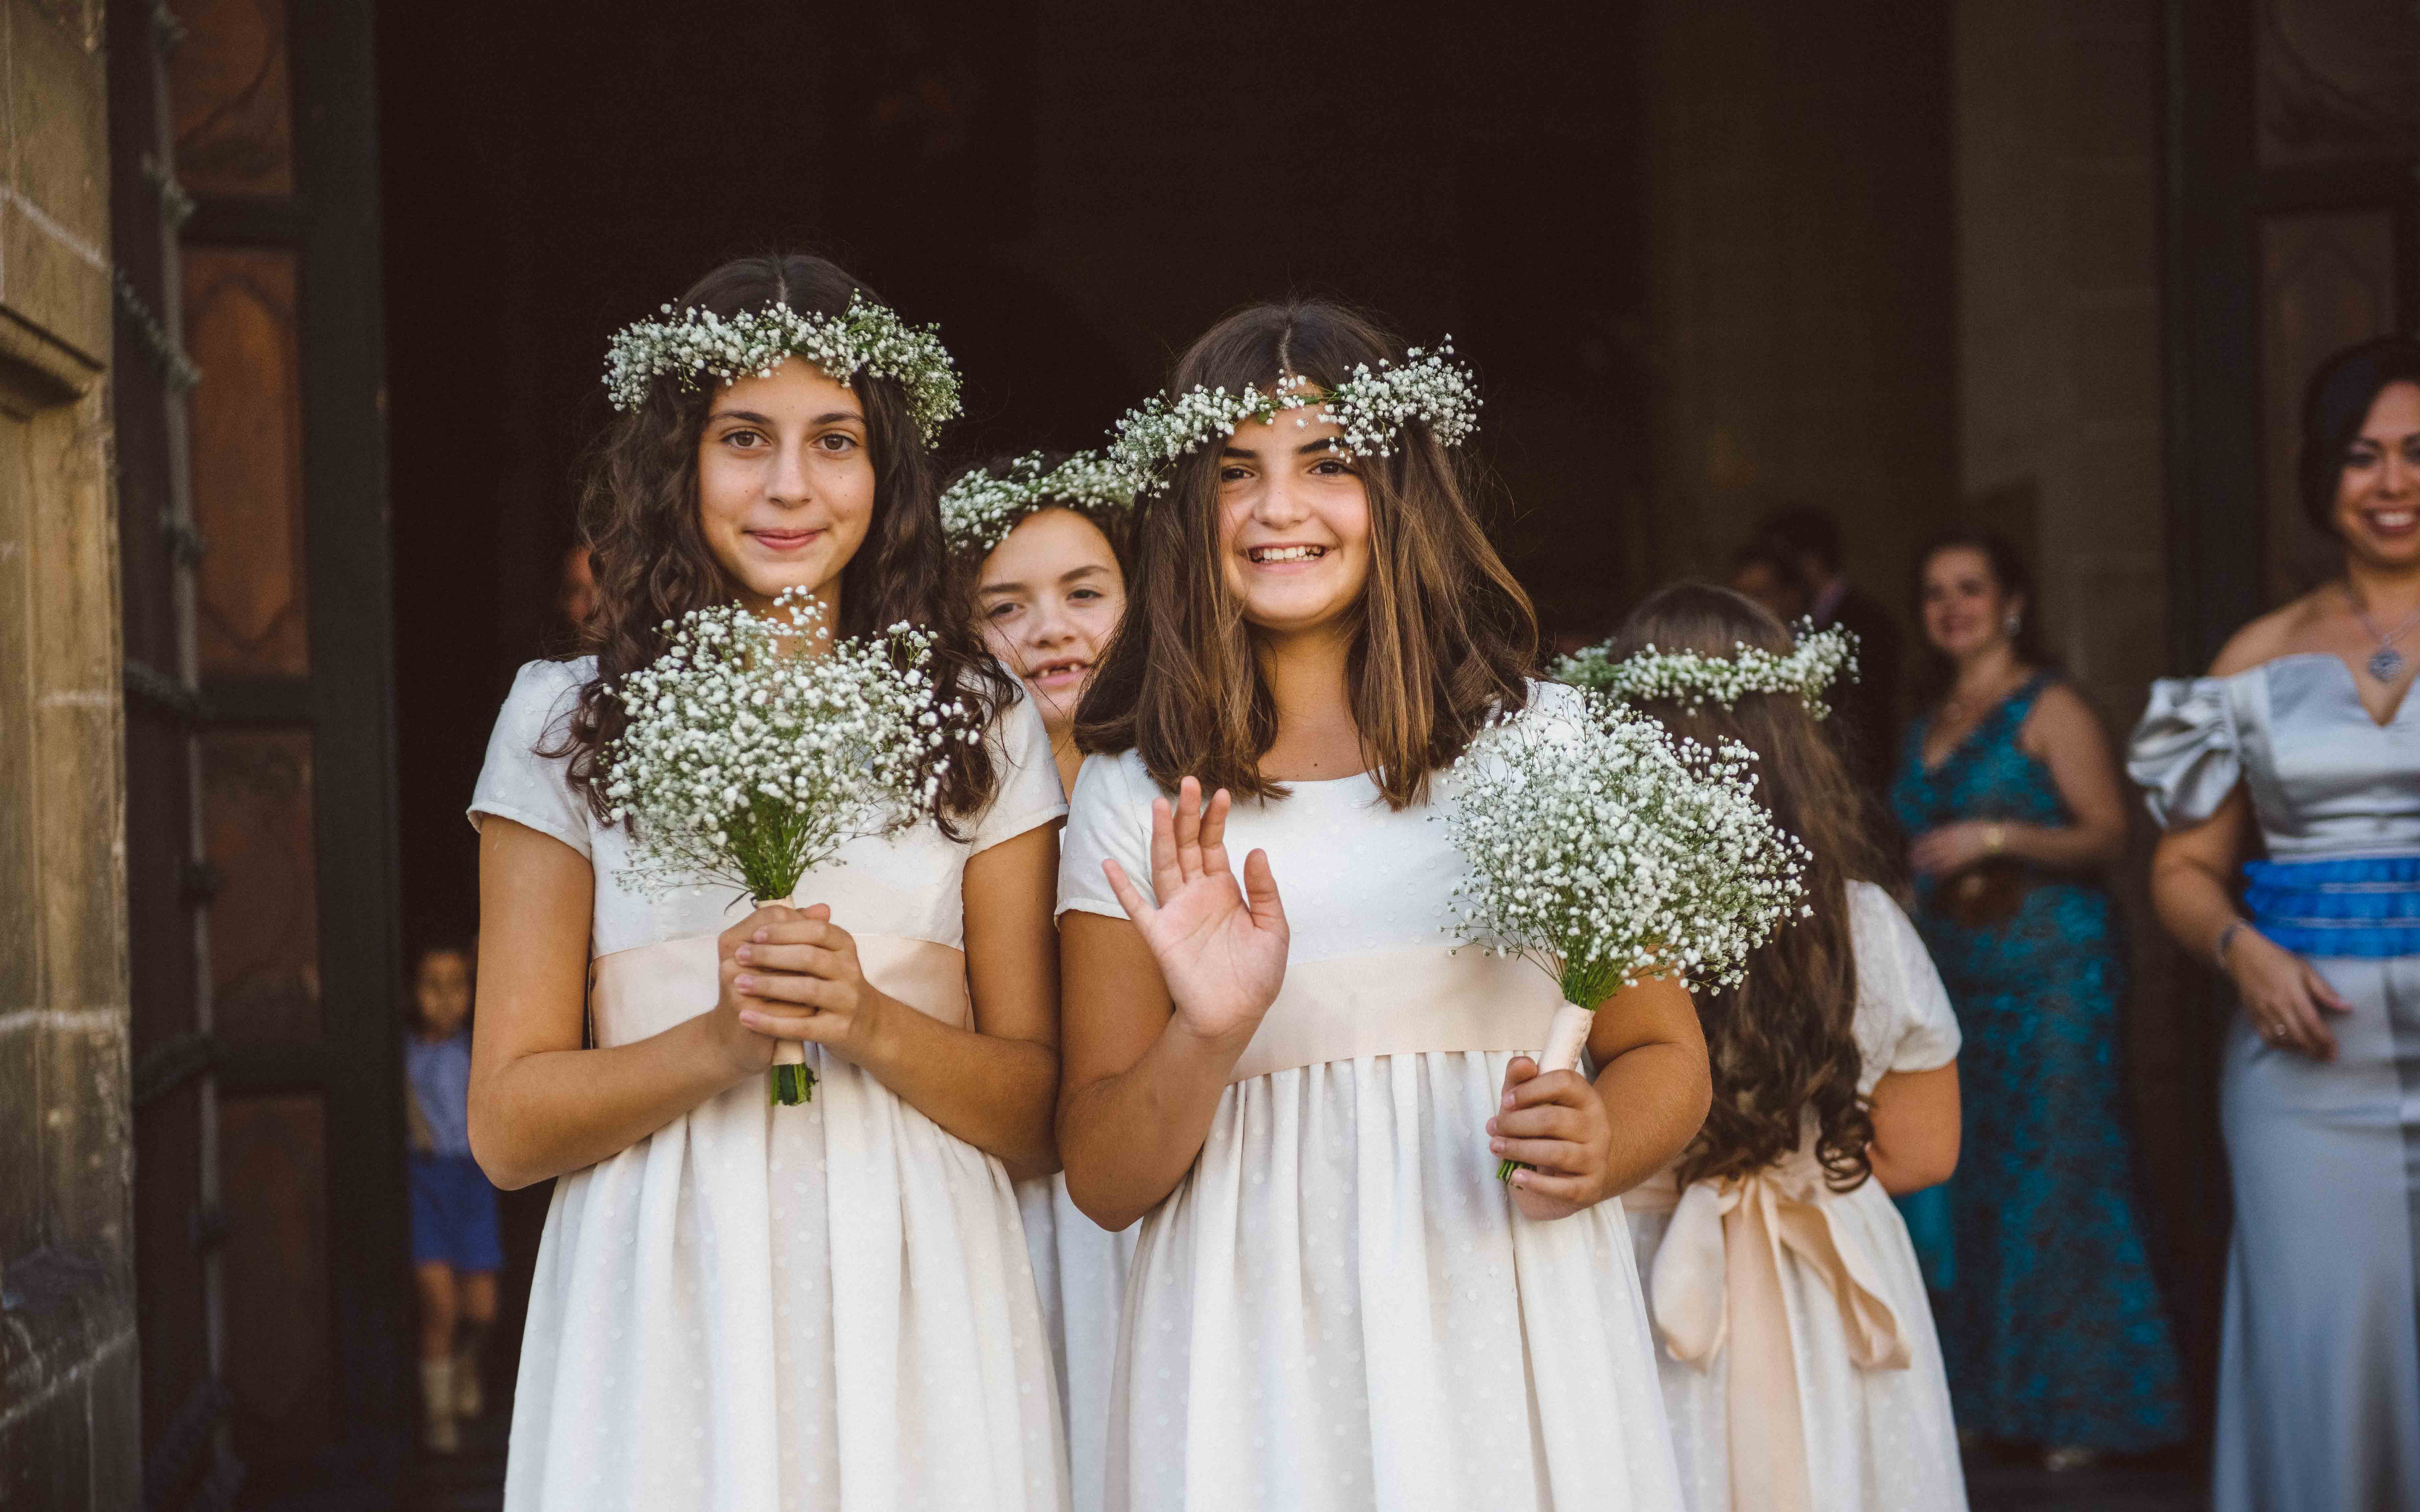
{"x":2061,"y":733}
{"x":541,"y":1105}
{"x":2285,"y":996}
{"x":992,"y":1085}
{"x":1916,"y":1129}
{"x":1151,"y":1034}
{"x":1587,"y":1142}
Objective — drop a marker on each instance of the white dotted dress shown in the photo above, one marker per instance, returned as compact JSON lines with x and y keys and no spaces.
{"x":1080,"y":1269}
{"x":1833,"y":1310}
{"x":755,"y":1308}
{"x":1337,"y":1307}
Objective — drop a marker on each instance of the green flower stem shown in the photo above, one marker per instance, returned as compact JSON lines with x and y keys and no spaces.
{"x":793,"y":1081}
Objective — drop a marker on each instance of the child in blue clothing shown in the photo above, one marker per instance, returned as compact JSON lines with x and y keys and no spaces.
{"x":455,"y":1252}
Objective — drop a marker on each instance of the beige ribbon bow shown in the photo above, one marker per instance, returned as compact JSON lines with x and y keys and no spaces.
{"x":1717,"y":1279}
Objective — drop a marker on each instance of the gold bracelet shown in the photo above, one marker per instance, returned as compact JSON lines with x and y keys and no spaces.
{"x":1996,"y":838}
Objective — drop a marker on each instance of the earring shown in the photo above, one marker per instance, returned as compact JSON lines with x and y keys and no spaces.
{"x":2009,"y":626}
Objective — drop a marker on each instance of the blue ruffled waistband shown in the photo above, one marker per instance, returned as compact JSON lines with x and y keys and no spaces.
{"x":2363,"y":905}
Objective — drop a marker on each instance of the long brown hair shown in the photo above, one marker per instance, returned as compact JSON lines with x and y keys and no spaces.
{"x":1443,"y":634}
{"x":1782,"y":1043}
{"x":638,"y":521}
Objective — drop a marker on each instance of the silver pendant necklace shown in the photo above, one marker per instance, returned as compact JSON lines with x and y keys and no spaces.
{"x":2386,"y":664}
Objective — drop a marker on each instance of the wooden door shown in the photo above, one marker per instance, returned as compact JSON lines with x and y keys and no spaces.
{"x":261,"y":848}
{"x":2293,"y":229}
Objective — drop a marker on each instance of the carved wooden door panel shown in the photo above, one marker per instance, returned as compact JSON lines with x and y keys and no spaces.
{"x":261,"y":853}
{"x":2337,"y":210}
{"x":2293,"y":229}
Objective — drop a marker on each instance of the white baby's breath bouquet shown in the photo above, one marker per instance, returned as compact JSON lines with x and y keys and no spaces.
{"x":758,"y":746}
{"x":1602,"y":850}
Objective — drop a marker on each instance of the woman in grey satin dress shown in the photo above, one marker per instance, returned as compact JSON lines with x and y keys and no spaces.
{"x":2304,"y":726}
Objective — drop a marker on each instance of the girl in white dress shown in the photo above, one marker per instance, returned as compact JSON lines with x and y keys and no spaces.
{"x":1334,"y":1304}
{"x":1041,"y":541}
{"x":1800,"y":1363}
{"x":740,"y":1305}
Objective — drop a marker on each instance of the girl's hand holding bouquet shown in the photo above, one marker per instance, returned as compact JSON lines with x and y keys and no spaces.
{"x":757,"y":747}
{"x":793,"y":974}
{"x":1605,"y":852}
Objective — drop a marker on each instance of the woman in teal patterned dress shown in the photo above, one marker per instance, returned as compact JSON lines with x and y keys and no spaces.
{"x":2052,"y":1325}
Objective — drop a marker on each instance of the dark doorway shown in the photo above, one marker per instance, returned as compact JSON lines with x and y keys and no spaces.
{"x":1069,"y":191}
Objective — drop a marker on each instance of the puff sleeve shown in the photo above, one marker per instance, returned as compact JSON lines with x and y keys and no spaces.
{"x":1106,"y":820}
{"x":2184,"y":752}
{"x":516,"y":782}
{"x":1027,"y":795}
{"x":1904,"y":1021}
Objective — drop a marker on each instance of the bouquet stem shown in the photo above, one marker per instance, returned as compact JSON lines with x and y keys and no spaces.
{"x":1566,"y":1037}
{"x":793,"y":1081}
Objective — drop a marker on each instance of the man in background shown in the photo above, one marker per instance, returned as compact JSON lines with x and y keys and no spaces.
{"x":1866,"y":711}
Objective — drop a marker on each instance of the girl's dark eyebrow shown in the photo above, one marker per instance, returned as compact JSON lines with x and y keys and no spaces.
{"x":753,"y":418}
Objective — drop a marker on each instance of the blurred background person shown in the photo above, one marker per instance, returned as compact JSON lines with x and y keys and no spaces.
{"x":1761,"y":571}
{"x":1864,"y":709}
{"x":455,"y":1250}
{"x":576,"y":594}
{"x":2053,"y":1328}
{"x":1043,"y":547}
{"x":2305,"y":727}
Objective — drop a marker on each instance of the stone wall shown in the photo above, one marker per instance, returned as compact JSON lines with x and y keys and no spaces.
{"x":2061,"y":444}
{"x":68,"y":1438}
{"x":2058,"y":319}
{"x":1800,"y":266}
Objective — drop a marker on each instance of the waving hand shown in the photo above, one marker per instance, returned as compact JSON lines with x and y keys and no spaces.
{"x":1222,"y":949}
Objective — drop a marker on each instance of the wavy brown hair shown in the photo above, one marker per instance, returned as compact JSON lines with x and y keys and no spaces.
{"x":1781,"y":1042}
{"x":639,"y":518}
{"x":1443,"y":634}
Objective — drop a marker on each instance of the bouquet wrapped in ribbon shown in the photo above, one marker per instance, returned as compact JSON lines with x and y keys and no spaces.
{"x":756,"y":747}
{"x":1602,"y":851}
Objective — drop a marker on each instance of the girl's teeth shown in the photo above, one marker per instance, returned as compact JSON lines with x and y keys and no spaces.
{"x":1287,"y":553}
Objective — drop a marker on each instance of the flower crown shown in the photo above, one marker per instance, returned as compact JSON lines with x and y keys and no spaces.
{"x":1370,"y":404}
{"x":1818,"y":660}
{"x":980,"y":508}
{"x":867,"y":337}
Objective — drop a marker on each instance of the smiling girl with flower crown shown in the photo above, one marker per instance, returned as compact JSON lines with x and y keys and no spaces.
{"x":1304,"y":1100}
{"x":742,"y":1304}
{"x":1041,"y":541}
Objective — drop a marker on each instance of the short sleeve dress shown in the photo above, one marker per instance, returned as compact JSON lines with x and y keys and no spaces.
{"x":1337,"y":1307}
{"x":1799,"y":1312}
{"x":758,"y":1307}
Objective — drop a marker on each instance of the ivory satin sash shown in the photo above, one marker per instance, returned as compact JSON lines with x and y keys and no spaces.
{"x":647,"y":989}
{"x":1717,"y":1279}
{"x":1401,"y":1002}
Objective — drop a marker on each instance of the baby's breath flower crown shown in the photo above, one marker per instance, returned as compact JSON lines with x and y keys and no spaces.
{"x":980,"y":509}
{"x":867,"y":337}
{"x":1820,"y":659}
{"x":1370,"y":404}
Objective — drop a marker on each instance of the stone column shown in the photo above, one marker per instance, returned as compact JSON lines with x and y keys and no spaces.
{"x":69,"y":1436}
